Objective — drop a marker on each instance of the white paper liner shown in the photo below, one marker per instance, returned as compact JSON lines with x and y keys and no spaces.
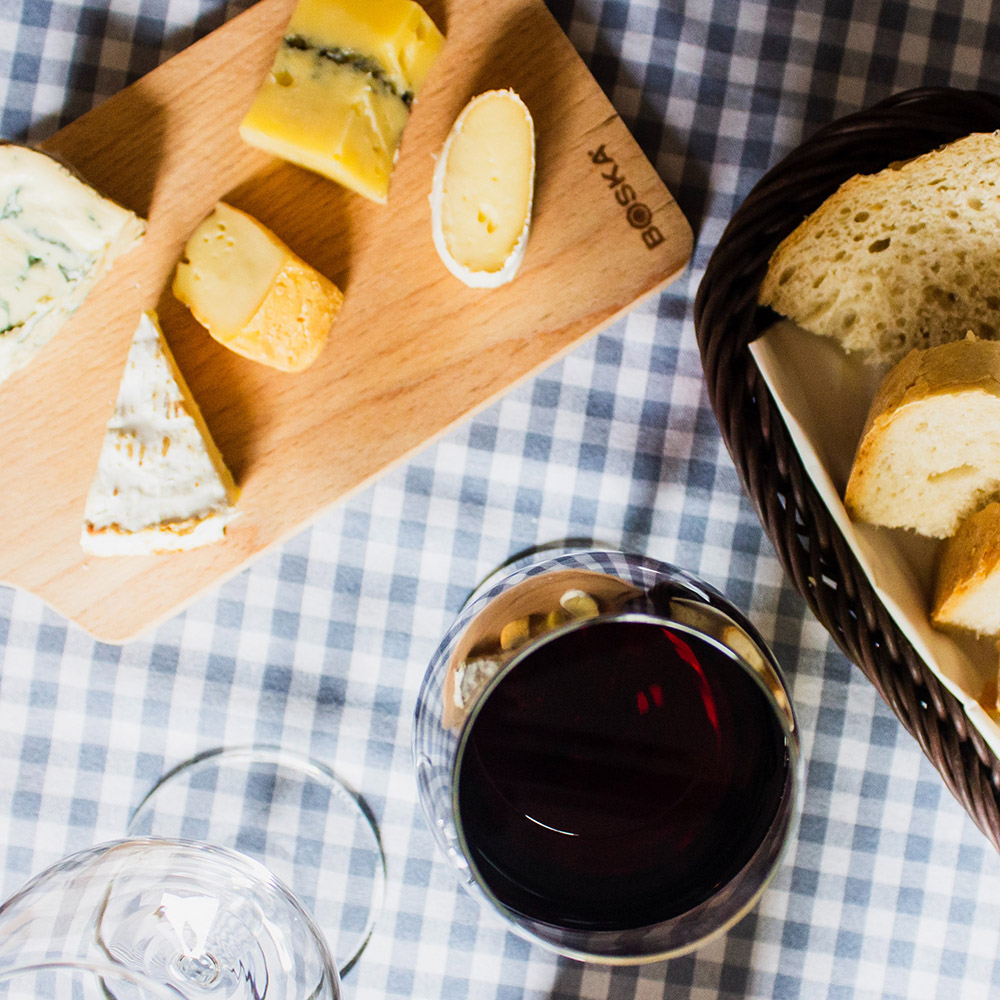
{"x":824,"y":395}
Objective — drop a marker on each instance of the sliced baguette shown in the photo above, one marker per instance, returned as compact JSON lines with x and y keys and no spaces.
{"x":967,"y":592}
{"x":929,"y":455}
{"x":899,"y":259}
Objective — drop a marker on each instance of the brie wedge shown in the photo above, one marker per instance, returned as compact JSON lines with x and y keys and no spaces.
{"x":58,"y":237}
{"x":161,"y":485}
{"x":483,"y":189}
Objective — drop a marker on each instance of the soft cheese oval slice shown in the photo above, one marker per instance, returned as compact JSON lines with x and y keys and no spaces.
{"x":483,"y":189}
{"x":252,"y":294}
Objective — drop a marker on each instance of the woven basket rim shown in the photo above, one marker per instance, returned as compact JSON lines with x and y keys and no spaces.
{"x":808,"y":541}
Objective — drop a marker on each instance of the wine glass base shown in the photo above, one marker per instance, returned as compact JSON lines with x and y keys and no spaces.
{"x":291,"y":814}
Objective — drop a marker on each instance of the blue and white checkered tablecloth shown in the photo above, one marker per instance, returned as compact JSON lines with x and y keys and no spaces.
{"x":888,"y":889}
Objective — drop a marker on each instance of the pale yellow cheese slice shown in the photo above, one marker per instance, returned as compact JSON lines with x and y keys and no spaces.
{"x":339,"y":93}
{"x":483,"y":189}
{"x":254,"y":295}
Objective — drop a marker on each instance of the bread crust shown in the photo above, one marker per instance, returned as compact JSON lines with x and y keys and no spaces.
{"x":965,"y":367}
{"x":968,"y":559}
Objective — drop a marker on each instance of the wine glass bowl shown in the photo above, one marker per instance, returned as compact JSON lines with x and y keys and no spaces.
{"x":606,"y":752}
{"x":167,"y":918}
{"x":294,"y":816}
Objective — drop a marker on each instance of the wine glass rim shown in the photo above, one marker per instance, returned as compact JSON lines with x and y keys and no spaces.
{"x":307,"y":767}
{"x":264,"y":753}
{"x":558,"y":551}
{"x":102,"y":970}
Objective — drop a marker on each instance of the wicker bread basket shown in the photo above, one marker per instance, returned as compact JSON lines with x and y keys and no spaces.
{"x":809,"y":544}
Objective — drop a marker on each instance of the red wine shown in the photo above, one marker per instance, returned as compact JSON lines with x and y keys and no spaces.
{"x":618,"y":776}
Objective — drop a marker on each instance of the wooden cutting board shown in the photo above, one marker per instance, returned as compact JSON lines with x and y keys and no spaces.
{"x":413,"y":350}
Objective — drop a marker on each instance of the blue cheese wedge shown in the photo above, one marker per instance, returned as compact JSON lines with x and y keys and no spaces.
{"x":161,"y":484}
{"x":58,"y":237}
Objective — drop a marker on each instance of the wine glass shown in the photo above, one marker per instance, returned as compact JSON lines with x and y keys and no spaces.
{"x":240,"y":865}
{"x":294,"y":816}
{"x":155,"y":918}
{"x":607,"y":753}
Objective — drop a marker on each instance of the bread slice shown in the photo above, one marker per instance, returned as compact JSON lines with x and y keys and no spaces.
{"x":967,"y":592}
{"x":903,"y":258}
{"x":929,"y":455}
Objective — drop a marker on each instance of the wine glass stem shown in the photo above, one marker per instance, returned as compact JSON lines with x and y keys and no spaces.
{"x":199,"y":970}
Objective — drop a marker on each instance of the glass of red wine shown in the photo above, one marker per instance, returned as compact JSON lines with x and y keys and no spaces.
{"x":606,"y":751}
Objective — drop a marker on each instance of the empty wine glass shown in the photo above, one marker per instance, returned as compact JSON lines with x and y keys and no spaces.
{"x":294,"y":816}
{"x":154,"y":918}
{"x":247,"y":872}
{"x":606,"y":752}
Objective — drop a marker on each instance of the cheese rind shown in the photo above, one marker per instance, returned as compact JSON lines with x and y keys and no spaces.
{"x":339,"y":93}
{"x":483,"y":190}
{"x":290,"y":329}
{"x":161,"y":484}
{"x":252,"y":294}
{"x":58,"y":237}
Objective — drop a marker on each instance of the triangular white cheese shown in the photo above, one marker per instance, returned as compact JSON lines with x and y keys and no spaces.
{"x":161,"y":485}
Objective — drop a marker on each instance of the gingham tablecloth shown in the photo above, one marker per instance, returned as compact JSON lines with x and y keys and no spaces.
{"x":888,"y":889}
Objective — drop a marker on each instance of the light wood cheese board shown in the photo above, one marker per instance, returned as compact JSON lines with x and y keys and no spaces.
{"x":413,"y":351}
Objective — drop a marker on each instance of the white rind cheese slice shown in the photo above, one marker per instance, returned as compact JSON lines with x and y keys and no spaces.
{"x":483,"y":189}
{"x":58,"y":237}
{"x":161,"y":485}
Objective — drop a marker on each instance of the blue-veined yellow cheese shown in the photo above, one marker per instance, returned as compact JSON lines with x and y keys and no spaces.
{"x":339,"y":93}
{"x":483,"y":189}
{"x":253,"y":294}
{"x":161,"y":484}
{"x":58,"y":237}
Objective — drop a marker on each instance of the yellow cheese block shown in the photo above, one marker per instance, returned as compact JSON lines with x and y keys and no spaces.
{"x":395,"y":34}
{"x":339,"y":93}
{"x":483,"y":190}
{"x":252,"y":294}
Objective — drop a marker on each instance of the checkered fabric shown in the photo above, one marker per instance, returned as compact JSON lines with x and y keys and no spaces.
{"x":888,"y":890}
